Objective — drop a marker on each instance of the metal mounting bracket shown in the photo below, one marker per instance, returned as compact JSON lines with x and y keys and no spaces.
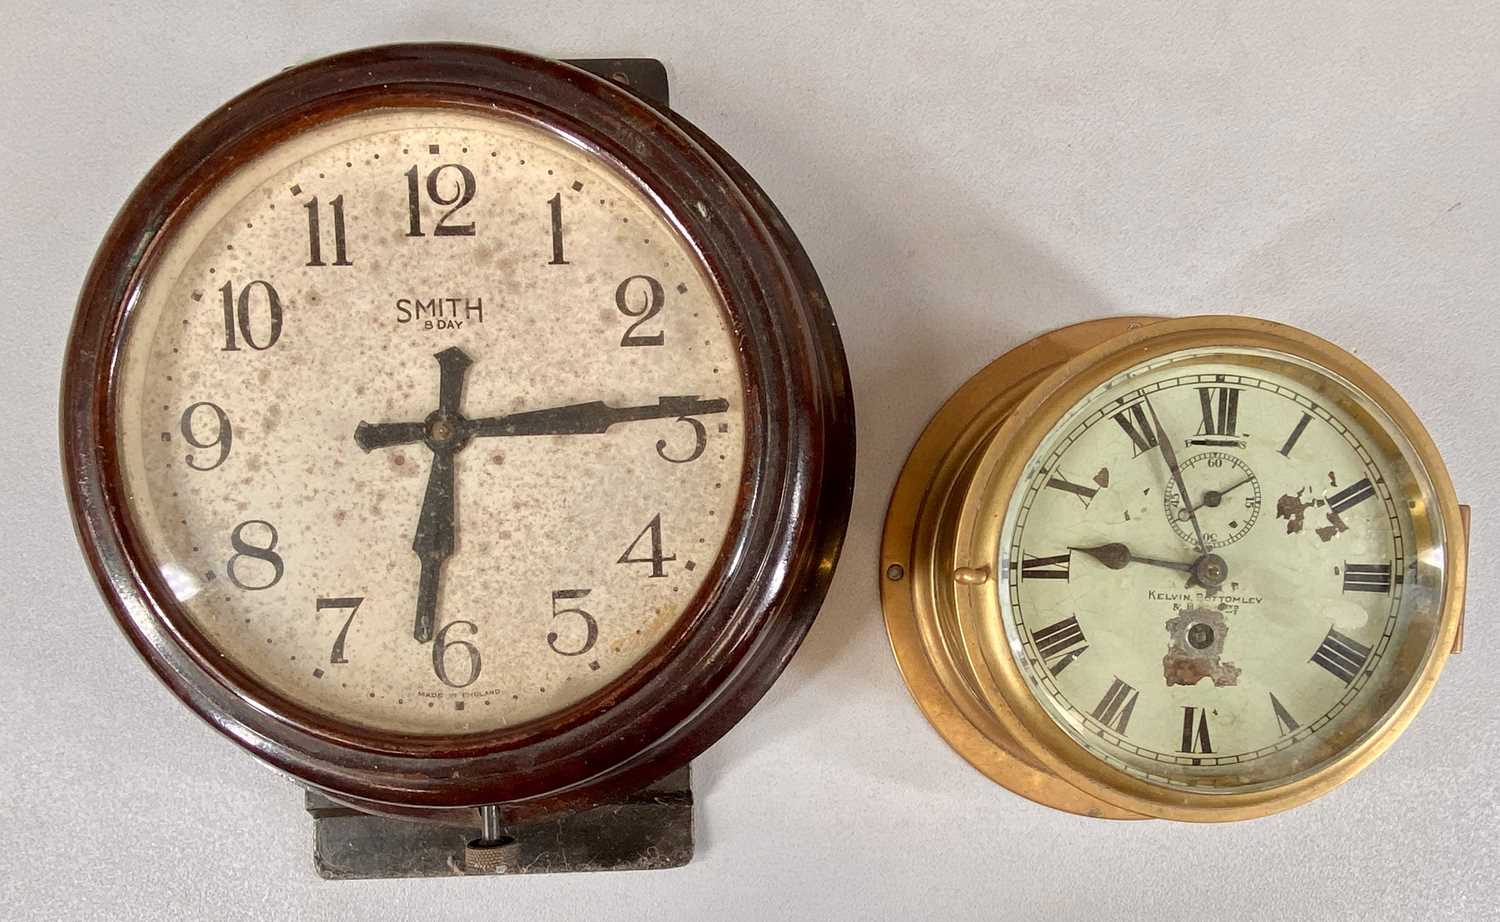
{"x":648,"y":830}
{"x":645,"y":77}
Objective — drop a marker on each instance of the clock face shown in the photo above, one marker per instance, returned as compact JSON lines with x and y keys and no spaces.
{"x":431,"y":421}
{"x":1217,"y":573}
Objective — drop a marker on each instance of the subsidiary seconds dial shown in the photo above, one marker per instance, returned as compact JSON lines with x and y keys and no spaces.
{"x":433,"y":420}
{"x":1227,"y":510}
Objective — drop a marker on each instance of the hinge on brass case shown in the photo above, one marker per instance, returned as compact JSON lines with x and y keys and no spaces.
{"x":1458,"y":636}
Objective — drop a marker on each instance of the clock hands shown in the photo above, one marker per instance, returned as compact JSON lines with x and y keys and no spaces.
{"x":1209,"y":570}
{"x":433,"y":542}
{"x":370,"y":436}
{"x":446,"y":432}
{"x":1116,"y":556}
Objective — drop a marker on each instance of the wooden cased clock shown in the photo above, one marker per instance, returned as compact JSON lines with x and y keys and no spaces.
{"x":460,"y":432}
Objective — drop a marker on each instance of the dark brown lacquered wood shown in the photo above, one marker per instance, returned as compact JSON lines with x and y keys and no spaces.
{"x":764,"y":590}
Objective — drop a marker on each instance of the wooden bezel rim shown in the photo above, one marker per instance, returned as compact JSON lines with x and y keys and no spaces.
{"x":736,"y":636}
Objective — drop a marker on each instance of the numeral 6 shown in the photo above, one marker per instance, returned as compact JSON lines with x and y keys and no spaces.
{"x":440,"y":647}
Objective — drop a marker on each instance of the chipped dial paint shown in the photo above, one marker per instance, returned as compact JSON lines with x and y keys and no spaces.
{"x":1180,"y":680}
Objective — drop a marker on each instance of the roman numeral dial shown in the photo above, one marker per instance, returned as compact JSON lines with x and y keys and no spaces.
{"x":1218,"y":426}
{"x":1058,"y":482}
{"x":1206,"y":563}
{"x":1054,"y":566}
{"x":1285,"y":722}
{"x":1291,"y":440}
{"x":1195,"y":731}
{"x":1367,"y":577}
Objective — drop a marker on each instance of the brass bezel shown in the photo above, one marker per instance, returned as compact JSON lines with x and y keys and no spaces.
{"x":942,"y":536}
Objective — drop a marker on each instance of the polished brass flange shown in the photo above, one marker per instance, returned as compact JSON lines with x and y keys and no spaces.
{"x":914,"y":567}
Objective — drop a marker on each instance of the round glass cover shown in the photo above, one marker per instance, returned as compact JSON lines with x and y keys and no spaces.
{"x":1221,"y":569}
{"x":431,"y":420}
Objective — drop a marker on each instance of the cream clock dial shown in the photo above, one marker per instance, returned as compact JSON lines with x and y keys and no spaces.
{"x":1207,"y":661}
{"x":369,"y":478}
{"x":1198,"y":569}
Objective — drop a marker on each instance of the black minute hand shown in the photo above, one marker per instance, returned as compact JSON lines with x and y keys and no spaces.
{"x":591,"y":418}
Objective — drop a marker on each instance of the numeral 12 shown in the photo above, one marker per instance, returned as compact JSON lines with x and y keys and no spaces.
{"x":1221,"y":411}
{"x":463,"y":193}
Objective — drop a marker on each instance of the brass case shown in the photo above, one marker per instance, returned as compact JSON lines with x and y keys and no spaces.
{"x":941,"y":541}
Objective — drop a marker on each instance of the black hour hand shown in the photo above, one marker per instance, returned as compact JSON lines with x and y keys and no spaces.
{"x":1117,"y":556}
{"x":433,"y":542}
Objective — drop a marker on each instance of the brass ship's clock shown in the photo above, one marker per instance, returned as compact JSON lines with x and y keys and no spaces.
{"x":457,"y":429}
{"x":1199,"y":569}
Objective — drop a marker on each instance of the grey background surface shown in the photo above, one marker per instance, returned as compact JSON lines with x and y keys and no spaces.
{"x":964,"y":176}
